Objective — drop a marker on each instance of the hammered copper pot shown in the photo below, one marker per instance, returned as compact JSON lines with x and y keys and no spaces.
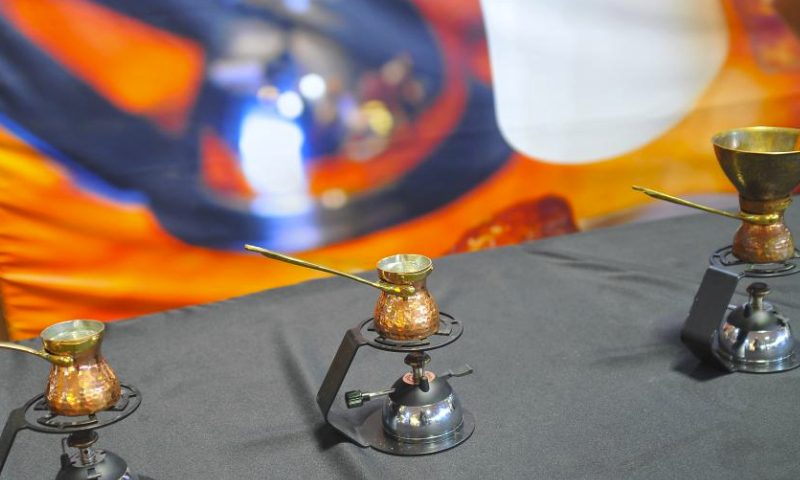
{"x":406,"y":317}
{"x":405,"y":310}
{"x":81,"y":382}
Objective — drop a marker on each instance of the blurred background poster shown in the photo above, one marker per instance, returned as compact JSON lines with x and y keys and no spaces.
{"x":143,"y":142}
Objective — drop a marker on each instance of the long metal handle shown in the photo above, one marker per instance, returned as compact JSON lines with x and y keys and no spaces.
{"x":404,"y":290}
{"x":759,"y":219}
{"x":60,"y":360}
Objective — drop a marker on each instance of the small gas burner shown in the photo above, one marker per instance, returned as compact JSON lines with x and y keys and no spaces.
{"x":88,"y":462}
{"x":420,"y":415}
{"x":761,"y":163}
{"x":724,"y":258}
{"x":753,"y":337}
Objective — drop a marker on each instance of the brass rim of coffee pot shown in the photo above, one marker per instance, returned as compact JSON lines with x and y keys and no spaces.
{"x":63,"y":340}
{"x":72,"y":337}
{"x":405,"y":268}
{"x":402,"y":290}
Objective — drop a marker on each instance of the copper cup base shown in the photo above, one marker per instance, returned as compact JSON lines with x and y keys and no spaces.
{"x":754,"y":243}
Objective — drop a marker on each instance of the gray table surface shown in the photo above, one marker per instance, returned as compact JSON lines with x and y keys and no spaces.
{"x":579,"y":373}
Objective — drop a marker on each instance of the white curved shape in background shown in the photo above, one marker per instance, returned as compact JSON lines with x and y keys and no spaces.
{"x":578,"y":81}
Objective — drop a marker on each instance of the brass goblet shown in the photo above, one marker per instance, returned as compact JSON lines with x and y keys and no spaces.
{"x":763,"y":164}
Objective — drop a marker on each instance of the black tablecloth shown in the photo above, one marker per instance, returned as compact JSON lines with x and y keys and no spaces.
{"x":579,"y":373}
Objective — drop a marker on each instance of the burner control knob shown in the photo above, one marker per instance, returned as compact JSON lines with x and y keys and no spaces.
{"x":354,"y":398}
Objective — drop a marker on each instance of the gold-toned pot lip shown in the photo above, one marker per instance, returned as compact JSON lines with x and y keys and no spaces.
{"x":715,"y":139}
{"x":405,"y":263}
{"x":72,"y":336}
{"x":405,"y":267}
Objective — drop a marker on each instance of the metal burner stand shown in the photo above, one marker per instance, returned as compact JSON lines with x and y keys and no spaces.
{"x":701,"y":329}
{"x":89,"y":463}
{"x":367,"y":431}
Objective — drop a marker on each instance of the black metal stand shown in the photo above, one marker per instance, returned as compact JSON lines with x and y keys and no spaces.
{"x":366,"y":430}
{"x":709,"y":308}
{"x":81,"y":433}
{"x":712,"y":301}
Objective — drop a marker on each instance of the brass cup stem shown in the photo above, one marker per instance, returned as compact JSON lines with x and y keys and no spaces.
{"x":403,"y":290}
{"x":764,"y":206}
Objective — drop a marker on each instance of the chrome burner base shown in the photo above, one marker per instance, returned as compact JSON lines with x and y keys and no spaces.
{"x":707,"y":322}
{"x":739,"y":364}
{"x":378,"y":439}
{"x":365,"y":428}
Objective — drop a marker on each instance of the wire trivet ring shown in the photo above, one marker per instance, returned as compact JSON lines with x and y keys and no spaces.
{"x":724,"y":258}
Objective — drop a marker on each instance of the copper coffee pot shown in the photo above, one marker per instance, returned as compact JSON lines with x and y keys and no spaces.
{"x":81,"y":382}
{"x":405,"y":309}
{"x":763,"y":163}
